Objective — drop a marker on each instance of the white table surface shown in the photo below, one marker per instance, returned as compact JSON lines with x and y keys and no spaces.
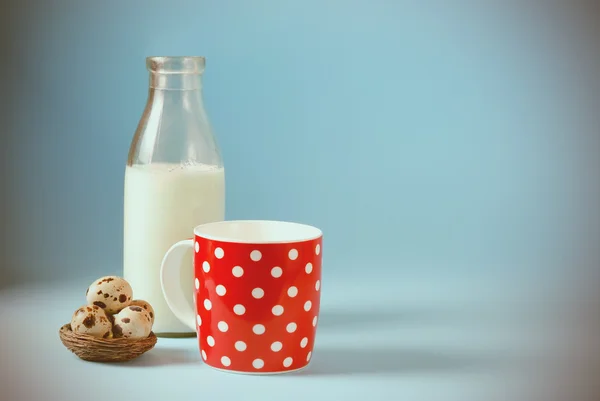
{"x":402,"y":338}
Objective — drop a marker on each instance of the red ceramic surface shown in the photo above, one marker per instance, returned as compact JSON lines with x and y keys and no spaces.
{"x":257,"y":304}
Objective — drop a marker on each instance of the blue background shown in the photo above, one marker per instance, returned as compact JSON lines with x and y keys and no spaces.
{"x":455,"y":139}
{"x":449,"y":150}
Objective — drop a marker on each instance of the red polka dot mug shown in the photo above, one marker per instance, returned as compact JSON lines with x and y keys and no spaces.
{"x":257,"y":293}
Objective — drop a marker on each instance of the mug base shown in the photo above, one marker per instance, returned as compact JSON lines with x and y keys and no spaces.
{"x":241,"y":372}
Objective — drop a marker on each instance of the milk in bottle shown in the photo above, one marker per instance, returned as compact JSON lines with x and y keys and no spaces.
{"x":174,"y":181}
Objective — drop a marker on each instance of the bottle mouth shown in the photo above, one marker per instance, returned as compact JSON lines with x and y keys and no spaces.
{"x":176,"y":64}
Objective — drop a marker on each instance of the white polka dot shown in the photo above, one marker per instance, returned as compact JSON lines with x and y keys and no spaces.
{"x":276,"y":272}
{"x":307,"y":305}
{"x":237,"y":271}
{"x":308,"y":268}
{"x":225,"y":361}
{"x":277,"y":310}
{"x":219,"y":253}
{"x":292,"y":291}
{"x":239,"y":309}
{"x":210,"y":341}
{"x":287,"y":362}
{"x":258,"y":329}
{"x":197,"y":247}
{"x":318,"y":285}
{"x":255,"y":255}
{"x":258,"y":293}
{"x":221,"y":290}
{"x":197,"y":283}
{"x":205,"y":266}
{"x":258,"y":363}
{"x":276,"y":346}
{"x":315,"y":321}
{"x":304,"y":342}
{"x":207,"y":304}
{"x":318,"y":249}
{"x":223,"y":326}
{"x":240,"y":346}
{"x":308,"y":356}
{"x":291,"y":327}
{"x":203,"y":355}
{"x":293,"y":254}
{"x":199,"y":320}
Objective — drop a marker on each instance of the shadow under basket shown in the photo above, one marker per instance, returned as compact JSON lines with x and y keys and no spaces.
{"x":95,"y":349}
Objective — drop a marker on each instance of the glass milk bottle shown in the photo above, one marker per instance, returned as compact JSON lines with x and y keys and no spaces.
{"x":174,"y":180}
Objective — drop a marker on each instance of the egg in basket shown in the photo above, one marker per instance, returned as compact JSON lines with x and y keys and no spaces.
{"x":111,"y":326}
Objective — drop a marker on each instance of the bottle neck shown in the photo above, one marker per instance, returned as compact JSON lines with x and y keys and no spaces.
{"x":175,"y":97}
{"x":176,"y":82}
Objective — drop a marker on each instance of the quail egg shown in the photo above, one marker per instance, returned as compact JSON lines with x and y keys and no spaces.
{"x":145,"y":305}
{"x":91,"y":320}
{"x":132,"y":322}
{"x":110,"y":293}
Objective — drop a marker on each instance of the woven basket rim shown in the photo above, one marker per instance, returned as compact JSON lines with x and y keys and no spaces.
{"x":68,"y":334}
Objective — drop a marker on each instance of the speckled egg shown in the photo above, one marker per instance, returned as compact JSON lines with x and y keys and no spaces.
{"x":110,"y":293}
{"x":145,"y":305}
{"x":91,"y":320}
{"x":132,"y":322}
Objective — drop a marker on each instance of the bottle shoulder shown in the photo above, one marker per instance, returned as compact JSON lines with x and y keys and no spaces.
{"x":175,"y":129}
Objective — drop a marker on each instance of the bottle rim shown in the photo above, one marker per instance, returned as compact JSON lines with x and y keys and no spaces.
{"x":176,"y":64}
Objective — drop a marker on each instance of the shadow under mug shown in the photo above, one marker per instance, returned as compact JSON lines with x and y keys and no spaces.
{"x":256,"y":296}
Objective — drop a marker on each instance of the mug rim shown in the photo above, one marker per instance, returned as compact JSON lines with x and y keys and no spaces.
{"x":309,"y":232}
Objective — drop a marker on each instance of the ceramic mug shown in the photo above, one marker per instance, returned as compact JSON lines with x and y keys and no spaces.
{"x":257,"y":293}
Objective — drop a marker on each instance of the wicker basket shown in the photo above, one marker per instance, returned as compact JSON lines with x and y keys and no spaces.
{"x":96,"y":349}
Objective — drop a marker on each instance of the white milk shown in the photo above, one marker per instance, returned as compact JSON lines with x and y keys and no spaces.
{"x":163,"y":203}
